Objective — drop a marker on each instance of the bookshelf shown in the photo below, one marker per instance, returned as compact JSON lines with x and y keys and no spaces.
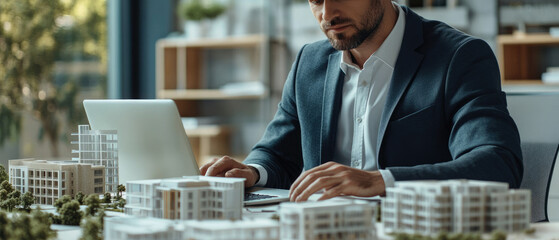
{"x":182,"y":69}
{"x":520,"y":57}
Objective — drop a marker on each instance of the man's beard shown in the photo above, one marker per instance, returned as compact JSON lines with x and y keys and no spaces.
{"x":366,"y":27}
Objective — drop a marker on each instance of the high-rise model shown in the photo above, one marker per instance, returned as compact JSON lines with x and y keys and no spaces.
{"x":99,"y":147}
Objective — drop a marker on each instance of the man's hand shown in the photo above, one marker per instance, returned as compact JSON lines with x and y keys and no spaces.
{"x":228,"y":167}
{"x":336,"y":179}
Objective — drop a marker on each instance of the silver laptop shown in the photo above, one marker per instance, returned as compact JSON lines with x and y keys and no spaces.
{"x":152,"y":142}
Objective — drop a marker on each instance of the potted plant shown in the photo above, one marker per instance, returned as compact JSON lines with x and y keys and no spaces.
{"x":198,"y":16}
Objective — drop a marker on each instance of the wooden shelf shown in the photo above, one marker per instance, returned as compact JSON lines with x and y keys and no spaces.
{"x":520,"y":57}
{"x":517,"y":39}
{"x":205,"y":94}
{"x":229,"y":42}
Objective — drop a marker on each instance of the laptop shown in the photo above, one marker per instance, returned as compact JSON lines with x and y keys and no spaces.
{"x":152,"y":143}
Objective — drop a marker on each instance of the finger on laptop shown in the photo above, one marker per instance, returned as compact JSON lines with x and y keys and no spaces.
{"x":205,"y":167}
{"x":221,"y":166}
{"x":245,"y":173}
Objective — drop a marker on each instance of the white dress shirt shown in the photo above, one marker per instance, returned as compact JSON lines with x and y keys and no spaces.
{"x":363,"y":99}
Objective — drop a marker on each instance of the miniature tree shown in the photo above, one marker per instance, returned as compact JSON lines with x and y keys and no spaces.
{"x":107,"y":197}
{"x":93,"y":204}
{"x":121,"y":188}
{"x":3,"y":195}
{"x":91,"y":229}
{"x":3,"y":225}
{"x":121,"y":203}
{"x":20,"y":227}
{"x":70,"y":213}
{"x":498,"y":235}
{"x":9,"y":204}
{"x":80,"y":197}
{"x":3,"y":174}
{"x":27,"y":200}
{"x":14,"y":194}
{"x":7,"y":186}
{"x":61,"y":201}
{"x":41,"y":225}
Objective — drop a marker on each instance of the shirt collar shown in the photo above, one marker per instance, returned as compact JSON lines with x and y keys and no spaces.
{"x":388,"y":51}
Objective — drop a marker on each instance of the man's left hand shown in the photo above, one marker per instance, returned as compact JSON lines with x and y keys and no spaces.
{"x":336,"y":180}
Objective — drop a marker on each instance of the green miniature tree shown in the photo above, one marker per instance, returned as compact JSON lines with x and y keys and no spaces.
{"x":3,"y":195}
{"x":3,"y":225}
{"x":70,"y":213}
{"x":7,"y":186}
{"x":91,"y":229}
{"x":101,"y":217}
{"x":20,"y":227}
{"x":27,"y":200}
{"x":15,"y":194}
{"x":3,"y":174}
{"x":9,"y":204}
{"x":121,"y":188}
{"x":93,"y":204}
{"x":41,"y":225}
{"x":80,"y":197}
{"x":61,"y":201}
{"x":121,"y":203}
{"x":107,"y":198}
{"x":442,"y":236}
{"x":498,"y":235}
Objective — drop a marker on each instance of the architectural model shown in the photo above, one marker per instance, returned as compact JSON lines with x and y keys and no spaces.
{"x":124,"y":228}
{"x":330,"y":219}
{"x":192,"y":197}
{"x":50,"y":180}
{"x":99,"y":147}
{"x":430,"y":207}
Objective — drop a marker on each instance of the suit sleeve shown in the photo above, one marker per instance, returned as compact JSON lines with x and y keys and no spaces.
{"x":279,"y":150}
{"x":484,"y":140}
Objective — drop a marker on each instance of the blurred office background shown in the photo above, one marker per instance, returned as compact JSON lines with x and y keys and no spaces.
{"x":224,"y":62}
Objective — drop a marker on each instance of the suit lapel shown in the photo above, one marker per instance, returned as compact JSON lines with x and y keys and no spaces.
{"x":331,"y":104}
{"x":406,"y":67}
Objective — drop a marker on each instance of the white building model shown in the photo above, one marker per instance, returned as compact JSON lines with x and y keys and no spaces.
{"x":330,"y":219}
{"x":124,"y":228}
{"x":99,"y":147}
{"x":50,"y":180}
{"x":192,"y":197}
{"x":430,"y":207}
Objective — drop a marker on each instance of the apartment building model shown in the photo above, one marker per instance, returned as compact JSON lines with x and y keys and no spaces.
{"x":50,"y":180}
{"x":330,"y":219}
{"x":99,"y":147}
{"x":192,"y":197}
{"x":430,"y":207}
{"x":124,"y":228}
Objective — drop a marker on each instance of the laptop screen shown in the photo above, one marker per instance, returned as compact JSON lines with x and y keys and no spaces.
{"x":152,"y":142}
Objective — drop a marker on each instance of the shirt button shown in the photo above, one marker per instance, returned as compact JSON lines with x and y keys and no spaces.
{"x":359,"y":120}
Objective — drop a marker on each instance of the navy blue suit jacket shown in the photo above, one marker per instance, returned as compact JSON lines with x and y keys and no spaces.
{"x":445,"y":115}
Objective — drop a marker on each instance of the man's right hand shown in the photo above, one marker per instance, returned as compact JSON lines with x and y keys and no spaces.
{"x":229,"y":167}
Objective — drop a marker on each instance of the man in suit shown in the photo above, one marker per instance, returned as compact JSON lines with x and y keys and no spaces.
{"x":391,"y":96}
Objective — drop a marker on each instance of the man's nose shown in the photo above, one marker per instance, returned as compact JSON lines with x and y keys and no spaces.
{"x":329,"y":10}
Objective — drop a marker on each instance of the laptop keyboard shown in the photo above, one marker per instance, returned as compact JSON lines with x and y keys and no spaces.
{"x":254,"y":196}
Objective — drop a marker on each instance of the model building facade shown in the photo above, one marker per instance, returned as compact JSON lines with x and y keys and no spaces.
{"x":99,"y":147}
{"x":430,"y":207}
{"x":193,"y":197}
{"x":50,"y":180}
{"x":330,"y":219}
{"x":124,"y":228}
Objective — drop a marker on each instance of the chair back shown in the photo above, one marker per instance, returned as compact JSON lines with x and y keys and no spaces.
{"x":537,"y":118}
